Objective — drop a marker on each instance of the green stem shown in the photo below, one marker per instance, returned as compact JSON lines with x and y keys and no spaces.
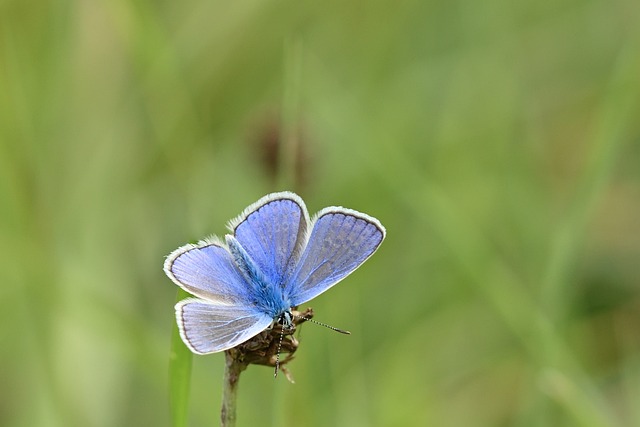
{"x":232,"y":370}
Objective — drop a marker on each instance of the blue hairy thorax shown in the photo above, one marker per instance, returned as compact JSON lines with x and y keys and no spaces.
{"x":265,"y":293}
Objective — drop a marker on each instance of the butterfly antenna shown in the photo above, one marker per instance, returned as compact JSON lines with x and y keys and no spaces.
{"x":342,"y":331}
{"x":275,"y":373}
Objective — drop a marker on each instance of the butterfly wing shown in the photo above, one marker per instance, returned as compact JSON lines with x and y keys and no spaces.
{"x":341,"y":240}
{"x":226,"y":315}
{"x":207,"y":270}
{"x":207,"y":327}
{"x":272,"y":232}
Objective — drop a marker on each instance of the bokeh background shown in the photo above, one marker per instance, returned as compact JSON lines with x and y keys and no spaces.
{"x":497,"y":141}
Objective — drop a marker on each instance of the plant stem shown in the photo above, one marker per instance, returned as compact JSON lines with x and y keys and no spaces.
{"x":232,"y":369}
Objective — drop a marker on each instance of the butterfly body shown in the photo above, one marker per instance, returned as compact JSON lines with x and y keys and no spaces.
{"x":265,"y":293}
{"x":277,"y":258}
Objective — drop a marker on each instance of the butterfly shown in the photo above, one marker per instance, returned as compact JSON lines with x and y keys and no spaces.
{"x":275,"y":258}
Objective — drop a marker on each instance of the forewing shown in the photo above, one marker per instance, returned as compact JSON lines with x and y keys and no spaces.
{"x":340,"y":241}
{"x":207,"y":270}
{"x":272,"y":232}
{"x":208,"y":327}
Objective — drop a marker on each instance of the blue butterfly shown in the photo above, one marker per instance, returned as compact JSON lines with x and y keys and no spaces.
{"x":276,"y":258}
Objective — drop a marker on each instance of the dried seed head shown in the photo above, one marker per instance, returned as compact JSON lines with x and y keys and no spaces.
{"x":263,"y":348}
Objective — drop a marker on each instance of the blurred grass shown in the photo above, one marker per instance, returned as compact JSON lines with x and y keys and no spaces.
{"x":180,"y":364}
{"x":496,"y":141}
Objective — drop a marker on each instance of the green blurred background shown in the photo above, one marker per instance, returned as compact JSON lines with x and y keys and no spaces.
{"x":497,"y":141}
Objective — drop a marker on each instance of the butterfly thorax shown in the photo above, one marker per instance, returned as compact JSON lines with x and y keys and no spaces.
{"x":267,"y":296}
{"x":270,"y":300}
{"x":266,"y":291}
